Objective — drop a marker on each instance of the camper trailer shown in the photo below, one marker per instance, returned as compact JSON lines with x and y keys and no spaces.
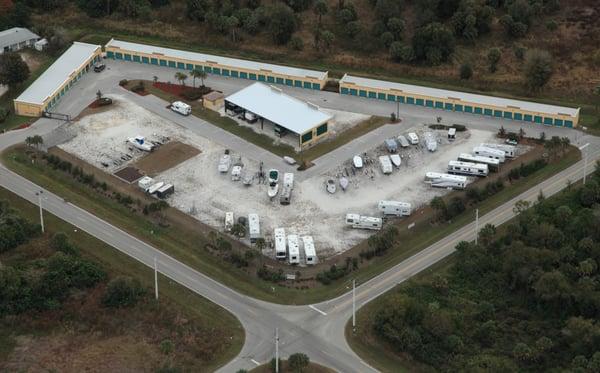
{"x":391,"y":145}
{"x":280,"y":243}
{"x":310,"y":254}
{"x":154,"y":187}
{"x":394,"y":208}
{"x":181,"y":108}
{"x":413,"y":138}
{"x":431,"y":141}
{"x":403,"y":141}
{"x":140,"y":143}
{"x":294,"y":249}
{"x":493,"y":164}
{"x":490,"y":153}
{"x":229,"y":221}
{"x":288,"y":185}
{"x":165,"y":191}
{"x":253,"y":227}
{"x":145,"y":183}
{"x":224,"y":163}
{"x":452,"y":134}
{"x":440,"y":180}
{"x":467,"y":168}
{"x":363,"y":222}
{"x":386,"y":164}
{"x":510,"y":151}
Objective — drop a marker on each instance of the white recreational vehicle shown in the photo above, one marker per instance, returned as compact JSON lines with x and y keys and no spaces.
{"x":482,"y":151}
{"x":394,"y":208}
{"x":510,"y":151}
{"x":451,"y":133}
{"x":280,"y":243}
{"x":493,"y":164}
{"x":154,"y":187}
{"x":467,"y":168}
{"x":181,"y":108}
{"x":253,"y":227}
{"x":386,"y":164}
{"x":430,"y":141}
{"x":363,"y":222}
{"x":140,"y":143}
{"x":310,"y":254}
{"x":228,"y":221}
{"x":288,"y":186}
{"x":294,"y":249}
{"x":403,"y":141}
{"x":224,"y":163}
{"x":413,"y":138}
{"x":440,"y":180}
{"x":145,"y":183}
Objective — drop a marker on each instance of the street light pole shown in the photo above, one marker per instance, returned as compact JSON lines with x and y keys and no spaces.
{"x":155,"y":279}
{"x":476,"y":225}
{"x":585,"y":156}
{"x":276,"y":350}
{"x":39,"y":194}
{"x":353,"y":305}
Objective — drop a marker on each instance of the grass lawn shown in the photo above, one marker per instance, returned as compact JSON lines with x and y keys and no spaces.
{"x":283,"y":368}
{"x":188,"y":246}
{"x":192,"y":305}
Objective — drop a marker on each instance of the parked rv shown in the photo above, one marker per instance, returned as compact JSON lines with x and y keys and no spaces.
{"x":154,"y":187}
{"x":363,"y":222}
{"x":294,"y":249}
{"x":467,"y":168}
{"x":145,"y":183}
{"x":493,"y":164}
{"x":236,"y":173}
{"x":490,"y":153}
{"x":440,"y":180}
{"x":280,"y":243}
{"x":224,"y":163}
{"x":253,"y":227}
{"x":451,"y":133}
{"x":229,"y":221}
{"x":391,"y":145}
{"x":413,"y":138}
{"x":386,"y":164}
{"x":403,"y":141}
{"x":181,"y":108}
{"x":394,"y":208}
{"x":430,"y":141}
{"x":165,"y":191}
{"x":288,"y":185}
{"x":510,"y":151}
{"x":310,"y":254}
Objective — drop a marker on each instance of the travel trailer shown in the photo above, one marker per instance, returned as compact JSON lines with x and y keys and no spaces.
{"x":228,"y":221}
{"x":510,"y":151}
{"x":413,"y":138}
{"x":467,"y":168}
{"x":394,"y":208}
{"x":451,"y":133}
{"x":310,"y":254}
{"x":386,"y":164}
{"x":493,"y":164}
{"x":288,"y":185}
{"x":431,"y":141}
{"x":181,"y":108}
{"x":294,"y":249}
{"x":280,"y":243}
{"x":154,"y":187}
{"x":363,"y":222}
{"x":224,"y":163}
{"x":440,"y":180}
{"x":490,"y":153}
{"x":253,"y":227}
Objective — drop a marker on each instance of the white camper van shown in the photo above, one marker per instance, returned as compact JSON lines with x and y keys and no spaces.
{"x":280,"y":243}
{"x":413,"y":138}
{"x":145,"y":183}
{"x":510,"y":151}
{"x":440,"y":180}
{"x":386,"y":164}
{"x":181,"y":108}
{"x":482,"y":151}
{"x":363,"y":222}
{"x":467,"y":168}
{"x":253,"y":227}
{"x":228,"y":221}
{"x":493,"y":164}
{"x":310,"y":253}
{"x":394,"y":208}
{"x":294,"y":249}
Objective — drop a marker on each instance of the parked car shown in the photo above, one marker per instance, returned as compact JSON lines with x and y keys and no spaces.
{"x":99,"y":67}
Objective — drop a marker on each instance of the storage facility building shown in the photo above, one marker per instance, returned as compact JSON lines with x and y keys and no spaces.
{"x":299,"y":117}
{"x":497,"y":107}
{"x":46,"y":91}
{"x":224,"y":66}
{"x":16,"y":38}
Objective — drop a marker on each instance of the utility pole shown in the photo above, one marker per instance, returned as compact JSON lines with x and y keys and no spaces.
{"x":476,"y":225}
{"x":276,"y":350}
{"x":353,"y":305}
{"x":585,"y":156}
{"x":397,"y":110}
{"x":155,"y":279}
{"x":39,"y":194}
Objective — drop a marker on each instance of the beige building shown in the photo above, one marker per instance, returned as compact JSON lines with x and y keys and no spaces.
{"x":213,"y":101}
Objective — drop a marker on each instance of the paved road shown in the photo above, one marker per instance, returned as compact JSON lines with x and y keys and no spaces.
{"x":317,"y":330}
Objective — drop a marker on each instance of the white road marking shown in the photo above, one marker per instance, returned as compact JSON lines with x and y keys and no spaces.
{"x":255,"y":362}
{"x":318,"y":310}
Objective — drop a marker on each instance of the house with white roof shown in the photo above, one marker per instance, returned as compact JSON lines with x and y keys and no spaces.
{"x":16,"y":38}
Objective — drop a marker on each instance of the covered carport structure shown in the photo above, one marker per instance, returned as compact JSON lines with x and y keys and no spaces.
{"x":287,"y":113}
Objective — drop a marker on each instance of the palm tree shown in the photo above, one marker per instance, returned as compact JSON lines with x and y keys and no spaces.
{"x":155,"y":79}
{"x":181,"y":77}
{"x":197,"y":73}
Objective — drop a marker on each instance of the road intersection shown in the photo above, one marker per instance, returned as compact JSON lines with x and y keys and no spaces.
{"x":318,"y":329}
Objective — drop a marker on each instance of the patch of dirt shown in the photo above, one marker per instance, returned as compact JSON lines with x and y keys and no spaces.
{"x":165,"y":157}
{"x":129,"y":174}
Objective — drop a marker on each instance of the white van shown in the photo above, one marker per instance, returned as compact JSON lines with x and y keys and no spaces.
{"x":413,"y":138}
{"x":181,"y":108}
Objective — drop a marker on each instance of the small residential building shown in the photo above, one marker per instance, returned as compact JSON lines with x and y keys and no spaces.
{"x":16,"y":38}
{"x":46,"y":91}
{"x":269,"y":103}
{"x":213,"y":100}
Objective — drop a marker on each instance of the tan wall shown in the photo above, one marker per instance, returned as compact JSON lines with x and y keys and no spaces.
{"x":214,"y":105}
{"x":26,"y":109}
{"x":315,"y":138}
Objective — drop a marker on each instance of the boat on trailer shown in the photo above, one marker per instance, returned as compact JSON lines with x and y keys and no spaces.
{"x":330,"y":185}
{"x":273,"y":183}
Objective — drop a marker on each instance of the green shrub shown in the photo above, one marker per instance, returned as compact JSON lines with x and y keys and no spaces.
{"x":123,"y":82}
{"x":122,"y":292}
{"x":4,"y":113}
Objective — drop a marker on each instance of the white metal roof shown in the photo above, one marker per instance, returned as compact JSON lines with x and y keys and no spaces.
{"x":225,"y":61}
{"x":463,"y":96}
{"x":271,"y":103}
{"x":15,"y":35}
{"x":58,"y":73}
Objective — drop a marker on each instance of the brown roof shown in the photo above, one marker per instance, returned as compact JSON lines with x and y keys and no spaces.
{"x":213,"y":96}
